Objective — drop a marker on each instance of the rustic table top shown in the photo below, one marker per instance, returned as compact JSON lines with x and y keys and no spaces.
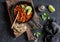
{"x":5,"y":36}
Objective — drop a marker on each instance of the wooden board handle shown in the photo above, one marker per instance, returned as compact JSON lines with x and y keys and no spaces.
{"x":29,"y":34}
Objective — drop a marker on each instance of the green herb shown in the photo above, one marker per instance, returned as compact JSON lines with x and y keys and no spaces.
{"x":48,"y":17}
{"x":24,"y":10}
{"x":51,"y":8}
{"x":37,"y":34}
{"x":34,"y":27}
{"x":44,"y":16}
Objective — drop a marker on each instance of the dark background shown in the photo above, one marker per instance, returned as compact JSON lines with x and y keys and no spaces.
{"x":5,"y":35}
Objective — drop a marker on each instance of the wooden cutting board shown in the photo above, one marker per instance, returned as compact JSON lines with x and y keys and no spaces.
{"x":35,"y":18}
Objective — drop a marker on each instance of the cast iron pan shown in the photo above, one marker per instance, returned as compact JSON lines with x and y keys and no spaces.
{"x":19,"y":3}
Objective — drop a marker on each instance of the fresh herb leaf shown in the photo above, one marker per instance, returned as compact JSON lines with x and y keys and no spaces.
{"x":37,"y":34}
{"x":48,"y":17}
{"x":34,"y":27}
{"x":45,"y":16}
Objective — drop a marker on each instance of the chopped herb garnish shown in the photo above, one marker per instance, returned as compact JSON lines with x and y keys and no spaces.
{"x":48,"y":17}
{"x":37,"y":34}
{"x":45,"y":16}
{"x":34,"y":27}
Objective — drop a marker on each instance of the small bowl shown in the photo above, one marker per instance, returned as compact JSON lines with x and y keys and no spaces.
{"x":41,"y":8}
{"x":19,"y":3}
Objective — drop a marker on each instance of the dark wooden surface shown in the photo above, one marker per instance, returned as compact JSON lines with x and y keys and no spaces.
{"x":5,"y":35}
